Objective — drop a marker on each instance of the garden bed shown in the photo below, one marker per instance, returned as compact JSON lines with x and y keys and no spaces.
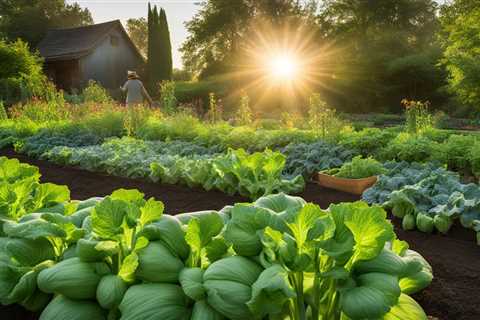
{"x":454,"y":258}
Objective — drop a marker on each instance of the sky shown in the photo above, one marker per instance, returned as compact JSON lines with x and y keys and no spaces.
{"x":178,"y":12}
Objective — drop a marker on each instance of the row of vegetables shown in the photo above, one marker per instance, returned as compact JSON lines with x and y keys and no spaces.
{"x":121,"y":257}
{"x":426,"y":197}
{"x":176,"y":162}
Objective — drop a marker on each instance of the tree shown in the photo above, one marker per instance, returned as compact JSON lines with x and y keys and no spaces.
{"x":376,"y":41}
{"x":461,"y":31}
{"x":222,"y":27}
{"x":30,"y":19}
{"x":138,"y":32}
{"x":159,"y":48}
{"x":165,"y":47}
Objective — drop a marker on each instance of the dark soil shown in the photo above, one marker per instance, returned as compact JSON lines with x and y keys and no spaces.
{"x":454,"y":293}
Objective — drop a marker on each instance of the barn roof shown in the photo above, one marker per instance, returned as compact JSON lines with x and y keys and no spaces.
{"x":74,"y":43}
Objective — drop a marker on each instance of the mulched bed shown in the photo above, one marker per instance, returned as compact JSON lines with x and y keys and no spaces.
{"x":453,"y":294}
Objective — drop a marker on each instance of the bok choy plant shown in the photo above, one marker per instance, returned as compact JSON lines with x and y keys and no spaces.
{"x":344,"y":263}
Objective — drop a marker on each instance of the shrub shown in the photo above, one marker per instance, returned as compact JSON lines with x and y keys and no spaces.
{"x":95,"y":93}
{"x":410,"y":148}
{"x":474,"y":158}
{"x":367,"y":142}
{"x":21,"y":74}
{"x":40,"y":110}
{"x":198,"y":91}
{"x":456,"y":151}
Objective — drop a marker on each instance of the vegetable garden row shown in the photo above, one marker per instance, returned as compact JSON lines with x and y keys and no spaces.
{"x":121,"y":257}
{"x":413,"y":180}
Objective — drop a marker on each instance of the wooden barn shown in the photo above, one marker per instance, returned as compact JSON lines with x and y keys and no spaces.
{"x":101,"y":52}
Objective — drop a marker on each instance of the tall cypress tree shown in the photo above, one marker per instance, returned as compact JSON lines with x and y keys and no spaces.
{"x":159,"y":48}
{"x":149,"y":36}
{"x":165,"y":47}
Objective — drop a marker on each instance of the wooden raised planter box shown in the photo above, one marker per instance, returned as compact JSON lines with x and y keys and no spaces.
{"x":354,"y":186}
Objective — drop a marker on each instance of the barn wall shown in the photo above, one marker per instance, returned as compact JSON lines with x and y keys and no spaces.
{"x":108,"y":64}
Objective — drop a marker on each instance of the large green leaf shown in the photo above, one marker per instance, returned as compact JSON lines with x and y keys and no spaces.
{"x":370,"y":230}
{"x":270,"y":292}
{"x":199,"y":234}
{"x":49,"y":194}
{"x":154,"y":301}
{"x":62,"y":308}
{"x":157,"y":264}
{"x":311,"y":223}
{"x":191,"y":280}
{"x":33,"y":229}
{"x":151,"y":211}
{"x":110,"y":291}
{"x":72,"y":278}
{"x":405,"y":309}
{"x":28,"y":252}
{"x":245,"y":227}
{"x":169,"y":231}
{"x":12,"y":170}
{"x":129,"y":267}
{"x":372,"y":296}
{"x":203,"y":311}
{"x":280,"y":203}
{"x":107,"y":218}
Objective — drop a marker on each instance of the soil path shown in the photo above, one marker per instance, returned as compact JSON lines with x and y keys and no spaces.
{"x":454,"y":293}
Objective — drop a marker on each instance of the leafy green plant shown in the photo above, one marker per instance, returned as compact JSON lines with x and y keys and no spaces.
{"x":358,"y":168}
{"x":367,"y":142}
{"x":312,"y":257}
{"x":279,"y":257}
{"x":3,"y":112}
{"x":456,"y":151}
{"x":95,"y":93}
{"x":244,"y":114}
{"x":322,"y":118}
{"x":305,"y":159}
{"x":426,"y":197}
{"x":417,"y":117}
{"x":474,"y":158}
{"x":411,"y":148}
{"x":214,"y":113}
{"x":167,"y":96}
{"x":251,"y":175}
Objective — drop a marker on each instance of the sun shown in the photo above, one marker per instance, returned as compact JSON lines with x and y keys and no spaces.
{"x":283,"y":67}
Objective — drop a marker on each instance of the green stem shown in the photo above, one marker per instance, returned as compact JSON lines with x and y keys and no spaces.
{"x":316,"y":287}
{"x":300,"y":296}
{"x":294,"y":309}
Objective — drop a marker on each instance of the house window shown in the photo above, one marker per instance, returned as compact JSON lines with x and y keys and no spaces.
{"x":114,"y":41}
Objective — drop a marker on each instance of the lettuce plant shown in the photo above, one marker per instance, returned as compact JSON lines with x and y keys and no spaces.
{"x":359,"y":168}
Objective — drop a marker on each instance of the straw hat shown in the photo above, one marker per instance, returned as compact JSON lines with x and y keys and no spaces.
{"x":132,"y":75}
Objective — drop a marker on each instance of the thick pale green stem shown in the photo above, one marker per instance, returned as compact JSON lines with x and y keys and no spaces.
{"x":300,"y":296}
{"x":316,"y":287}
